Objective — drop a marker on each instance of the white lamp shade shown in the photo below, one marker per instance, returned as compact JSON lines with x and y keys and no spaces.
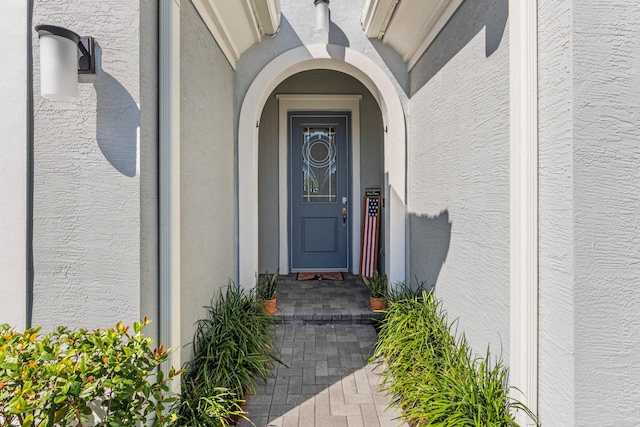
{"x":322,"y":15}
{"x":58,"y":63}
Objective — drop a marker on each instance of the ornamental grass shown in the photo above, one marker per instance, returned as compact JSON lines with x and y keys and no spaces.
{"x":434,"y":376}
{"x":232,"y":347}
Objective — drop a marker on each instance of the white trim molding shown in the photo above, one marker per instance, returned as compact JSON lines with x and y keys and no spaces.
{"x":237,"y":25}
{"x":169,"y":123}
{"x":353,"y":63}
{"x":524,"y":202}
{"x":408,"y":27}
{"x":267,"y":13}
{"x":14,"y":113}
{"x":300,"y":102}
{"x":376,"y":17}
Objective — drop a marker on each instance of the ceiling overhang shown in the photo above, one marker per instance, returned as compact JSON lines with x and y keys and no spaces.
{"x":408,"y":26}
{"x":239,"y":24}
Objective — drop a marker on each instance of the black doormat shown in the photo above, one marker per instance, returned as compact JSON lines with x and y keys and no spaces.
{"x":320,"y":276}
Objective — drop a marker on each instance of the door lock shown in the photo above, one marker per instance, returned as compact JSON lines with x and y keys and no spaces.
{"x":344,"y":217}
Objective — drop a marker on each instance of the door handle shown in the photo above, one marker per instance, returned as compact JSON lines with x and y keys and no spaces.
{"x":344,"y":217}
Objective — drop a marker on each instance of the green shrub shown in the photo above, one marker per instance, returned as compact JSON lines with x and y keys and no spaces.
{"x":434,"y":376}
{"x":58,"y":378}
{"x":231,"y":347}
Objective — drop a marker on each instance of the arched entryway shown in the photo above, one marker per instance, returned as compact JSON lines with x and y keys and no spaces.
{"x":357,"y":65}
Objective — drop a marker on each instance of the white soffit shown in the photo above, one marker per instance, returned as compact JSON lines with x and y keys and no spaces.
{"x":238,"y":24}
{"x":408,"y":26}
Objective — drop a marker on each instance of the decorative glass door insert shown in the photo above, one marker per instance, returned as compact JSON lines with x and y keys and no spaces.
{"x":319,"y":165}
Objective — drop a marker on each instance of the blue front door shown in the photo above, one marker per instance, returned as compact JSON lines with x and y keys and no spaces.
{"x":319,"y":220}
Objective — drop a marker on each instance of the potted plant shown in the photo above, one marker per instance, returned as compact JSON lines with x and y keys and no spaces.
{"x":267,"y":291}
{"x":377,"y":286}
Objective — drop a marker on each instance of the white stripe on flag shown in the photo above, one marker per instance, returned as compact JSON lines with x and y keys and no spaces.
{"x":372,"y":246}
{"x":367,"y":240}
{"x":370,"y":236}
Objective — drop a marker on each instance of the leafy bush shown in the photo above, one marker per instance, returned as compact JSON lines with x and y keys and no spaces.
{"x":231,"y":346}
{"x":72,"y":377}
{"x":434,"y":376}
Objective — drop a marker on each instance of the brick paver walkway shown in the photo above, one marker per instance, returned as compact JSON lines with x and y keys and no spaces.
{"x":322,"y":302}
{"x":328,"y":382}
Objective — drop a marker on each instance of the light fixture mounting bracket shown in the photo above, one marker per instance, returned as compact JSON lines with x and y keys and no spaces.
{"x":86,"y":55}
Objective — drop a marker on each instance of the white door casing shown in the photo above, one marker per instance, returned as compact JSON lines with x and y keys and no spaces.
{"x":300,"y":102}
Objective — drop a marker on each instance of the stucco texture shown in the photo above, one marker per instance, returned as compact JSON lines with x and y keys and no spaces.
{"x":206,"y":171}
{"x":556,"y":232}
{"x":87,"y":176}
{"x":606,"y":172}
{"x":458,"y":172}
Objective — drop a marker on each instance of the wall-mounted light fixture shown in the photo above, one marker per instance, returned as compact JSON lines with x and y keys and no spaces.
{"x":322,"y":15}
{"x":63,"y":54}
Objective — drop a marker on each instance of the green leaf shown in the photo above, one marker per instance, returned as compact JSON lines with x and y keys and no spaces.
{"x":28,"y":421}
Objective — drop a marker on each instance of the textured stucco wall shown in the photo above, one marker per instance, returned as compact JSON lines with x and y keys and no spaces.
{"x":606,"y":160}
{"x":14,"y":110}
{"x":556,"y":233}
{"x":458,"y":172}
{"x":87,"y":175}
{"x":371,"y":150}
{"x":207,"y":170}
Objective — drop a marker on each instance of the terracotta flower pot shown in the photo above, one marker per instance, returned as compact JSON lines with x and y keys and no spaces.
{"x":269,"y":305}
{"x":376,"y":304}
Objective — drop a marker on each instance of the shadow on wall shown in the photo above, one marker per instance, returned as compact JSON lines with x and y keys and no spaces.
{"x":336,"y":35}
{"x":430,"y":238}
{"x":471,"y":18}
{"x":260,"y":53}
{"x":117,"y":121}
{"x":394,"y":61}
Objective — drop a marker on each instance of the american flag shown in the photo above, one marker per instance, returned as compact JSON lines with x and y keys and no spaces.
{"x":370,"y":227}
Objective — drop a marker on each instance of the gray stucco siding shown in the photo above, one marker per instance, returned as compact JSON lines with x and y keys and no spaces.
{"x":87,"y":175}
{"x":556,"y":231}
{"x":458,"y":173}
{"x":606,"y":159}
{"x":206,"y":171}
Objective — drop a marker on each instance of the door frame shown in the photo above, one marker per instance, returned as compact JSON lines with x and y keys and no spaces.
{"x":317,"y":103}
